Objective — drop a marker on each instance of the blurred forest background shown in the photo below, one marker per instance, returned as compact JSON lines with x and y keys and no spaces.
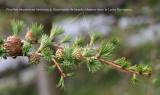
{"x":138,"y":31}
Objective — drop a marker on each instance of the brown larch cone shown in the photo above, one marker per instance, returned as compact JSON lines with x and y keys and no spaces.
{"x":29,"y":37}
{"x":13,"y":46}
{"x":78,"y":56}
{"x":59,"y":53}
{"x":34,"y":58}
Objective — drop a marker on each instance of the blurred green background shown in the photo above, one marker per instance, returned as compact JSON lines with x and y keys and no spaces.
{"x":138,"y":31}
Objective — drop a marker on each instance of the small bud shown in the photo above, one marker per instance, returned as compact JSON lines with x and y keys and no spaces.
{"x":30,"y":38}
{"x":34,"y":58}
{"x":97,"y":49}
{"x":77,"y":54}
{"x":134,"y":79}
{"x":59,"y":53}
